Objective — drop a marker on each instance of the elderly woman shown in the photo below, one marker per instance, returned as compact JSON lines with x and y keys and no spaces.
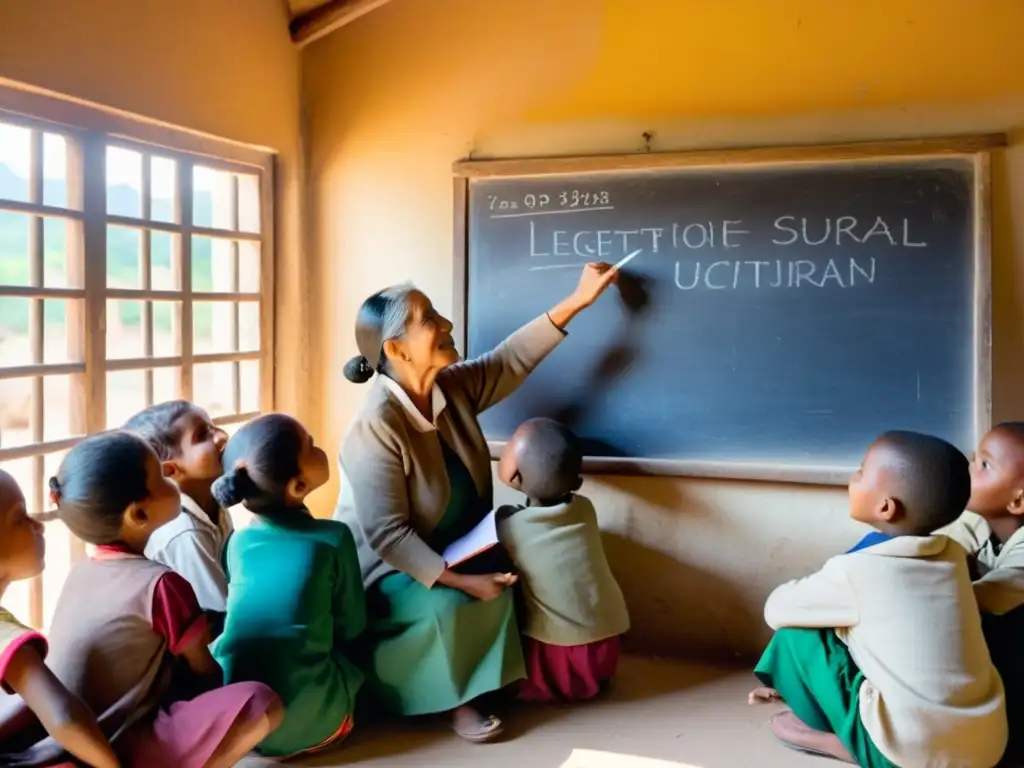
{"x":416,"y":476}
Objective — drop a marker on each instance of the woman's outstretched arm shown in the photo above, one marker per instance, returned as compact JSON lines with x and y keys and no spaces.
{"x":493,"y":376}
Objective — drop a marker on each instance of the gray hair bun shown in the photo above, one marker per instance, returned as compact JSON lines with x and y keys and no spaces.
{"x":358,"y":370}
{"x":233,"y":487}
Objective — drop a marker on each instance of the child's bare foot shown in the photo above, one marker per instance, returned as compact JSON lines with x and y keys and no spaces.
{"x":763,"y":695}
{"x":795,"y":734}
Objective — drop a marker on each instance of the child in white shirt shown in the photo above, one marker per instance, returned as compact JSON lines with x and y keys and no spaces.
{"x":189,"y":447}
{"x":992,"y":532}
{"x":880,"y":654}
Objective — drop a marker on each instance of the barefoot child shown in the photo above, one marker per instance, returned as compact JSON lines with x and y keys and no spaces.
{"x":575,"y":612}
{"x":992,"y":532}
{"x":189,"y":447}
{"x":22,"y":672}
{"x":121,"y":618}
{"x":880,"y":654}
{"x":296,"y":600}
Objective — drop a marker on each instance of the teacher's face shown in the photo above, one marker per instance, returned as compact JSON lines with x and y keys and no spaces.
{"x":427,"y":344}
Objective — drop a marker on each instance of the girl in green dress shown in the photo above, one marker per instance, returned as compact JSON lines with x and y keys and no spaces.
{"x":416,"y":476}
{"x":295,"y":597}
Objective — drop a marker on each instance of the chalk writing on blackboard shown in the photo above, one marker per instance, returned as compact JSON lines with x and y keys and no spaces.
{"x":547,"y":204}
{"x":551,"y":248}
{"x":719,"y":275}
{"x":776,"y":319}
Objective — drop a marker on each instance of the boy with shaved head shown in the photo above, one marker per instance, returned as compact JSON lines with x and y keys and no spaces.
{"x":880,"y":654}
{"x":574,"y":609}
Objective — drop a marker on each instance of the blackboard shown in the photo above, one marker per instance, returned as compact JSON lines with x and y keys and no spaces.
{"x":785,"y":309}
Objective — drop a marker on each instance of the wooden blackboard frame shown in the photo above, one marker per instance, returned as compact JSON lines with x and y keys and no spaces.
{"x":977,"y":149}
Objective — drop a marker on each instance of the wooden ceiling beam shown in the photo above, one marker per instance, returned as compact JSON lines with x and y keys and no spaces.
{"x":330,"y":16}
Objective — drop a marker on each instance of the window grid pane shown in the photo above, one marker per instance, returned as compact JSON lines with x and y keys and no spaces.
{"x":45,"y":408}
{"x":124,"y":182}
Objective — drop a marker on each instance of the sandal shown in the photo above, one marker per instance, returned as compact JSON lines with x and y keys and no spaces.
{"x":488,"y":729}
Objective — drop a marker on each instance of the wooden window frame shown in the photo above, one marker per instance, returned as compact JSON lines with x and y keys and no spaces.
{"x":89,"y":130}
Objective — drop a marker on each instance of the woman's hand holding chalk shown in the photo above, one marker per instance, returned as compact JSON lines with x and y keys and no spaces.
{"x":596,"y":277}
{"x":626,"y":260}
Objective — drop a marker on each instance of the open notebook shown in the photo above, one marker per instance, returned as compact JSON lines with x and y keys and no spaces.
{"x":479,"y":540}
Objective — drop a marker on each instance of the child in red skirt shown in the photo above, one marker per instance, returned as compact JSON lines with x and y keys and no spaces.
{"x":575,"y":613}
{"x":122,"y":621}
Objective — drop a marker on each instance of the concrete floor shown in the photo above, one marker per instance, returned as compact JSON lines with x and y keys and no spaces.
{"x":696,"y":715}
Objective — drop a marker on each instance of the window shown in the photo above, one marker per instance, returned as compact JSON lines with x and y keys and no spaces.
{"x":130,"y":273}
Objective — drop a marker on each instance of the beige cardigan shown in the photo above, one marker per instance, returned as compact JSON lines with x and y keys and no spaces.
{"x":1000,"y":586}
{"x":394,"y":483}
{"x":905,"y":608}
{"x":571,"y":596}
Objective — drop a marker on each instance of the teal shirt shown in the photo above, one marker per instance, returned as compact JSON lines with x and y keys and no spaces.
{"x":295,"y":603}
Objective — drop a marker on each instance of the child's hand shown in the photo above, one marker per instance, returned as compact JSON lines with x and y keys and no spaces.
{"x":199,"y":662}
{"x":488,"y":586}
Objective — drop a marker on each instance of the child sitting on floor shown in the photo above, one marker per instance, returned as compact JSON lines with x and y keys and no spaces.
{"x":880,"y":654}
{"x":574,"y":609}
{"x":121,"y":618}
{"x":22,"y":672}
{"x":296,"y":601}
{"x":992,"y":532}
{"x":189,"y":447}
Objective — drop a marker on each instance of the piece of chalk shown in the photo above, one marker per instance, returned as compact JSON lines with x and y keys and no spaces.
{"x":627,"y":259}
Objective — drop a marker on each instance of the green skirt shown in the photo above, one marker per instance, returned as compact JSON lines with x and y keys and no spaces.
{"x":432,"y":650}
{"x":817,"y":678}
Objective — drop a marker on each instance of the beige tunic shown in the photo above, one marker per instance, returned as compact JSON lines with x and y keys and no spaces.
{"x":931,"y":696}
{"x":1000,"y":586}
{"x":571,"y":596}
{"x":394,"y":484}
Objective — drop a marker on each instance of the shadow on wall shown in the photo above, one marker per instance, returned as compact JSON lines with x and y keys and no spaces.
{"x":677,"y":609}
{"x":634,"y":296}
{"x":644,"y":492}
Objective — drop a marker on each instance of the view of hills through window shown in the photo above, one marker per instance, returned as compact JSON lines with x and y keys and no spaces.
{"x":212,"y":273}
{"x":122,"y":254}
